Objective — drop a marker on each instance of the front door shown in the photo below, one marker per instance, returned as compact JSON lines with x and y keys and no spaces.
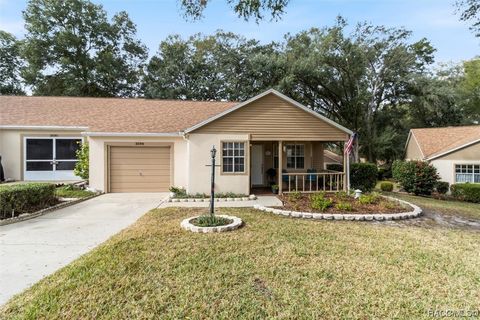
{"x":50,"y":158}
{"x":257,"y":165}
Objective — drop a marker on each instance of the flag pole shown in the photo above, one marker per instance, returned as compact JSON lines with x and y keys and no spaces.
{"x":348,"y":171}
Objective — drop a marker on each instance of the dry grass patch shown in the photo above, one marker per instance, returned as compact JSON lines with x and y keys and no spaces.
{"x":272,"y":267}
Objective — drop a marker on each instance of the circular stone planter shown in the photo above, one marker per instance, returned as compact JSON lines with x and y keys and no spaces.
{"x":415,"y":212}
{"x":235,"y":224}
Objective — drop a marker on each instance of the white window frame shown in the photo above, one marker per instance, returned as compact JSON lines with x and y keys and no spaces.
{"x":226,"y":147}
{"x":462,"y":169}
{"x":49,"y":175}
{"x":295,"y":156}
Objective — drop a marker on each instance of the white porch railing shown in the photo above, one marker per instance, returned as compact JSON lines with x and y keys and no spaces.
{"x":313,"y":182}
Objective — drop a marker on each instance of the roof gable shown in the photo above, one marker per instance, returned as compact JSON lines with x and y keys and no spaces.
{"x":435,"y":142}
{"x":273,"y":114}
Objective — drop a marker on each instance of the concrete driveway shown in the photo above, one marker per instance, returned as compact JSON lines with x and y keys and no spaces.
{"x":33,"y":249}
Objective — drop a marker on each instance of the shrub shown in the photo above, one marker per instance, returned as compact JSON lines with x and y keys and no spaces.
{"x":335,"y":167}
{"x":179,"y":192}
{"x":343,"y":206}
{"x":442,"y":187}
{"x":466,"y":191}
{"x":416,"y":177}
{"x":384,"y":173}
{"x":319,"y":202}
{"x":363,"y":176}
{"x":294,"y":196}
{"x":24,"y":198}
{"x":210,"y":221}
{"x":82,"y":166}
{"x":386,"y":186}
{"x":342,"y":195}
{"x":369,"y":198}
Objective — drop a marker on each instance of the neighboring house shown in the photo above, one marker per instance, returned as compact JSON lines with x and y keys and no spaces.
{"x":454,"y":151}
{"x":141,"y":145}
{"x":330,"y":157}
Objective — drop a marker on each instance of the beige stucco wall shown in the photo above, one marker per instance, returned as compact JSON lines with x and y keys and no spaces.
{"x":446,"y":168}
{"x":471,"y":152}
{"x":98,"y":157}
{"x":199,"y":174}
{"x":446,"y":164}
{"x":11,"y":148}
{"x":413,"y":151}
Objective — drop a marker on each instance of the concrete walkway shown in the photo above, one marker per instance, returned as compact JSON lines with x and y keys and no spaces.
{"x":33,"y":249}
{"x":267,"y":201}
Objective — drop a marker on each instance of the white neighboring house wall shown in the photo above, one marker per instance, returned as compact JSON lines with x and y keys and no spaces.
{"x":12,"y":145}
{"x":445,"y":164}
{"x":97,"y":156}
{"x":199,"y":173}
{"x":446,"y":168}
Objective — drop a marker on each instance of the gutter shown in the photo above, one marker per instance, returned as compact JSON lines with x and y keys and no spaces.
{"x":19,"y":127}
{"x":131,"y":134}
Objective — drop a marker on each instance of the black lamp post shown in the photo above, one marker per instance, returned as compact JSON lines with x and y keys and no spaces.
{"x":213,"y":152}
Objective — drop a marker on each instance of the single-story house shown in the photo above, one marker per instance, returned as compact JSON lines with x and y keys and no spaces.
{"x":148,"y":145}
{"x":454,"y":151}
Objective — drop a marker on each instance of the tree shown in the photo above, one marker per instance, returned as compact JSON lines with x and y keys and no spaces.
{"x":469,"y":88}
{"x":470,"y":11}
{"x":436,"y":100}
{"x":223,"y":66}
{"x":245,"y":9}
{"x":72,"y":49}
{"x":354,"y":79}
{"x":10,"y":64}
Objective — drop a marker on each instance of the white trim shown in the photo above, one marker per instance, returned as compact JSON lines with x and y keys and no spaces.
{"x":132,"y":134}
{"x":261,"y":95}
{"x":452,"y":150}
{"x":16,"y":127}
{"x":48,"y":175}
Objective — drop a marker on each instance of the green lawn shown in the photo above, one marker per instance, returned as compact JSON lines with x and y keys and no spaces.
{"x":451,"y":207}
{"x":273,"y":267}
{"x":68,"y":192}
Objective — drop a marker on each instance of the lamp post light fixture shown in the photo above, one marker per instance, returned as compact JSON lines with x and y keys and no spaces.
{"x":213,"y":152}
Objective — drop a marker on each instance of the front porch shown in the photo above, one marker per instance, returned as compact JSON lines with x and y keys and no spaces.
{"x":300,"y":168}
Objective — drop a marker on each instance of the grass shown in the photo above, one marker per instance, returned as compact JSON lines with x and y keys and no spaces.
{"x":273,"y":267}
{"x":459,"y":208}
{"x":69,"y":192}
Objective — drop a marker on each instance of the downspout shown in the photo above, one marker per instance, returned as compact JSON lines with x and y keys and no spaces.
{"x":185,"y":137}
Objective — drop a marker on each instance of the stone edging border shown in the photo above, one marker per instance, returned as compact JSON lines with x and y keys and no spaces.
{"x":237,"y":223}
{"x":417,"y":211}
{"x":251,"y":197}
{"x":28,"y":216}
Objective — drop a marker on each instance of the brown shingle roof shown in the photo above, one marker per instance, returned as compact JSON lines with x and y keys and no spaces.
{"x":108,"y":114}
{"x":434,"y":141}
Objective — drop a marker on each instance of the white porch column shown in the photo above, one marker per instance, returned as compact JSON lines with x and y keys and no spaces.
{"x":280,"y":167}
{"x":346,"y":169}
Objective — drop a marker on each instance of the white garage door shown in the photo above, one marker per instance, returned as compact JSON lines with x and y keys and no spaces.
{"x":139,"y":169}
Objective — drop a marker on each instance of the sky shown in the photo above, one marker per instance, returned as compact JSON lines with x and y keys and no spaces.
{"x":156,"y":19}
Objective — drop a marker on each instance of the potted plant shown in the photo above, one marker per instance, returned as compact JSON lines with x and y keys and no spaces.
{"x":275,"y":188}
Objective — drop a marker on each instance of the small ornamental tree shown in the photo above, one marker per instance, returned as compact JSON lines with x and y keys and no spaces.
{"x":418,"y":177}
{"x":82,"y":165}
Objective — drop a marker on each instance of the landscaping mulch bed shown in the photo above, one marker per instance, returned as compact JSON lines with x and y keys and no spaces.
{"x":303,"y":204}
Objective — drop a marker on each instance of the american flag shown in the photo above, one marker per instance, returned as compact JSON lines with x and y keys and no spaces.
{"x":349,"y":146}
